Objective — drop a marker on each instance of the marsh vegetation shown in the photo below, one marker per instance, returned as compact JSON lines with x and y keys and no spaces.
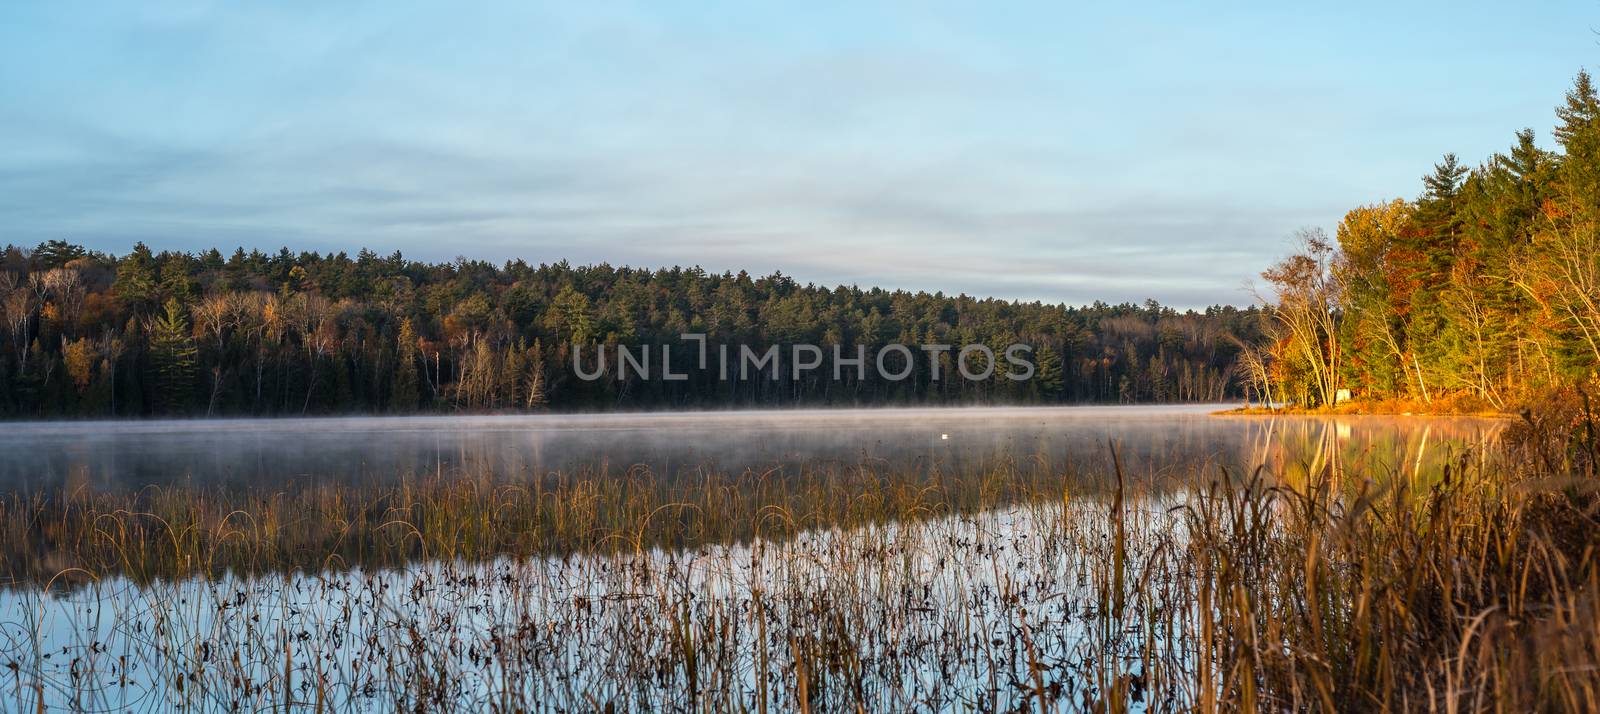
{"x":1152,"y":561}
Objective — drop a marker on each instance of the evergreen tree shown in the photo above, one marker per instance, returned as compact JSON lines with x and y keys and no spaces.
{"x":172,"y":359}
{"x":175,"y":282}
{"x":1048,"y":377}
{"x":1578,"y":132}
{"x":405,"y":395}
{"x":569,"y":316}
{"x":136,"y":284}
{"x":57,"y":253}
{"x":1578,"y":114}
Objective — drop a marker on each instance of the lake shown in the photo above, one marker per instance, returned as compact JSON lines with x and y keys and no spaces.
{"x":270,"y":453}
{"x":943,"y":559}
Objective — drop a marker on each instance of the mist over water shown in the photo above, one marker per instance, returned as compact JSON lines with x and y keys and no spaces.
{"x":932,"y":536}
{"x":268,"y":453}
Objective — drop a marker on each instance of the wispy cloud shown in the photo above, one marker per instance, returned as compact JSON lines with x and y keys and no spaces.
{"x":1050,"y":153}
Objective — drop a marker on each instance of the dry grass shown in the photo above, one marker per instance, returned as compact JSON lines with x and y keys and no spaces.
{"x":1457,"y":404}
{"x":1468,"y":588}
{"x":165,"y":534}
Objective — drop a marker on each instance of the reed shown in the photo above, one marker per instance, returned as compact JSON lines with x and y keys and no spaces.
{"x":825,"y":587}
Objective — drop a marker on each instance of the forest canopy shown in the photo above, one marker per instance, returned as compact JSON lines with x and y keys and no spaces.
{"x":173,"y":333}
{"x":1482,"y":292}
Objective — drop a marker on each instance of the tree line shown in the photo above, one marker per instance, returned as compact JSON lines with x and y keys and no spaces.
{"x":1479,"y":293}
{"x":90,"y":334}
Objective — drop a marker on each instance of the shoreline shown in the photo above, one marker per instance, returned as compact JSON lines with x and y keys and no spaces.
{"x":1368,"y":409}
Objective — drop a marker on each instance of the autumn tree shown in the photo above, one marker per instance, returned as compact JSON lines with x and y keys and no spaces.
{"x":1374,"y":319}
{"x":1304,"y":305}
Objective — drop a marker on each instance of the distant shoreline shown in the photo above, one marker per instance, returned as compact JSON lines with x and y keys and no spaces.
{"x":738,"y":414}
{"x":1379,"y":408}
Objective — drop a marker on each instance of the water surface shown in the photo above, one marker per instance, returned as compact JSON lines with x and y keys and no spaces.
{"x":267,"y":453}
{"x":943,"y":609}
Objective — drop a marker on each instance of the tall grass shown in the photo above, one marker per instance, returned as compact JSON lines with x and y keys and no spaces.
{"x":163,"y":534}
{"x":1467,"y":587}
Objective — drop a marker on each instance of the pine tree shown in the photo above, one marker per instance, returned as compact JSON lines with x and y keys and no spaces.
{"x":1580,"y":112}
{"x":404,"y":398}
{"x":136,"y":280}
{"x":175,"y":283}
{"x":57,"y":253}
{"x":569,"y":316}
{"x":1048,"y":377}
{"x":172,"y":358}
{"x":1579,"y":135}
{"x":1445,"y":181}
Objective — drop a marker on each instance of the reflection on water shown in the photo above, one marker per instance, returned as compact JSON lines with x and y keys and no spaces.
{"x":295,"y":452}
{"x":568,"y":634}
{"x":946,"y":612}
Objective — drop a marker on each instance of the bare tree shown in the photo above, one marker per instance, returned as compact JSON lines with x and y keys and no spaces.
{"x":1306,"y":311}
{"x":318,"y":334}
{"x":66,"y":291}
{"x":19,"y":303}
{"x":1566,"y":285}
{"x":214,"y":320}
{"x":1255,"y":361}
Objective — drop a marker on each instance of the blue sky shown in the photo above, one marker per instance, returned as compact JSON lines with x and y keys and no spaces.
{"x":1060,"y":151}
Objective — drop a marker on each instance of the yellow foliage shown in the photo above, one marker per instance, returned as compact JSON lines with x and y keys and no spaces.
{"x":79,"y":356}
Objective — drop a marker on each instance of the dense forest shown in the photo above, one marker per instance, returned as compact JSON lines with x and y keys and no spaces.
{"x":1478,"y":294}
{"x":172,"y":333}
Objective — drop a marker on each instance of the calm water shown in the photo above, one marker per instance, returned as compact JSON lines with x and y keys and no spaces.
{"x":938,"y":610}
{"x":297,"y":452}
